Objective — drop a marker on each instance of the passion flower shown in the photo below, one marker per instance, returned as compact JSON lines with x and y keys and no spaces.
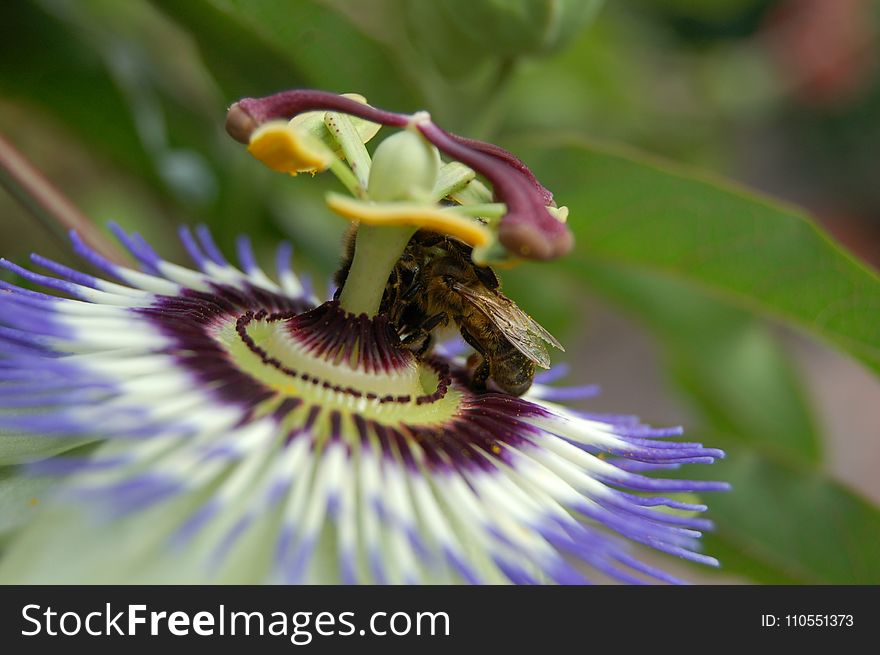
{"x":243,"y":430}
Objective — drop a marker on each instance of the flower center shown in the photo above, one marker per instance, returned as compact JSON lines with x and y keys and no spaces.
{"x":324,"y":356}
{"x":327,"y":347}
{"x":333,"y":377}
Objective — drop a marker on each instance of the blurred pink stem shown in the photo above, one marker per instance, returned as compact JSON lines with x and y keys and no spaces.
{"x":27,"y":185}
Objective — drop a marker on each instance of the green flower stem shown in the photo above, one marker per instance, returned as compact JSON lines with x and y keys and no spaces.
{"x":353,"y":149}
{"x":343,"y":173}
{"x":377,"y":250}
{"x":452,"y":177}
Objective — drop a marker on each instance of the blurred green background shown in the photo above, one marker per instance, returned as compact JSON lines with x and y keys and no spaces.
{"x":689,"y":299}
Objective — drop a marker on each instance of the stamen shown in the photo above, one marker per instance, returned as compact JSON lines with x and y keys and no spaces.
{"x":528,"y":229}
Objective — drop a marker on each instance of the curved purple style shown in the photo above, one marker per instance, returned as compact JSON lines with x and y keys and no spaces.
{"x":527,"y":229}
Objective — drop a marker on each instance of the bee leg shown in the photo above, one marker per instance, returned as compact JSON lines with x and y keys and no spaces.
{"x":415,"y":286}
{"x":473,"y":343}
{"x":391,"y":295}
{"x":434,"y":321}
{"x":403,"y":299}
{"x":424,"y":332}
{"x":428,"y":327}
{"x":339,"y":279}
{"x":481,"y":372}
{"x":423,"y":347}
{"x":481,"y":375}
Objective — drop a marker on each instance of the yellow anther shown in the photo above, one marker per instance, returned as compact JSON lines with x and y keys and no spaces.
{"x":428,"y":217}
{"x":285,"y":148}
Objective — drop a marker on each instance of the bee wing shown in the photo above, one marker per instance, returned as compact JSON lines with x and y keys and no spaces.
{"x":526,"y":335}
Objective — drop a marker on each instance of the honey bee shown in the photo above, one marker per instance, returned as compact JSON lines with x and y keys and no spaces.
{"x":434,"y":284}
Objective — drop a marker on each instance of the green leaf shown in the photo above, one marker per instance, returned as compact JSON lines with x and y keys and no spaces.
{"x":280,"y":44}
{"x":516,"y":27}
{"x":45,"y":65}
{"x":688,"y":256}
{"x":785,"y":520}
{"x":783,"y":523}
{"x":544,"y":294}
{"x":95,"y":68}
{"x":737,"y":377}
{"x":628,"y":210}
